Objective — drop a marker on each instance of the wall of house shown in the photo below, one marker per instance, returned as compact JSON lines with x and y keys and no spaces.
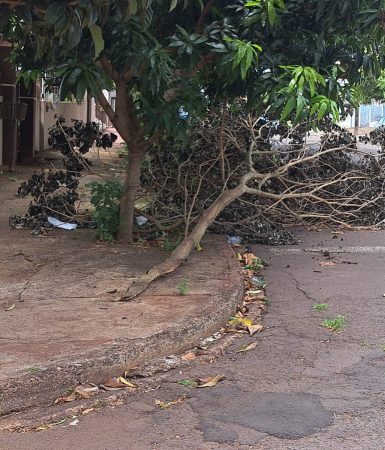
{"x":1,"y":137}
{"x":369,"y":115}
{"x":8,"y":92}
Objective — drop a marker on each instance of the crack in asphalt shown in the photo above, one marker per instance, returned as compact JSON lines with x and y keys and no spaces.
{"x":298,"y":286}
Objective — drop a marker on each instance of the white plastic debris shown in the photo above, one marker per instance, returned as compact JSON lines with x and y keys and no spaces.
{"x":234,"y":240}
{"x":141,"y":220}
{"x":59,"y":224}
{"x":74,"y":423}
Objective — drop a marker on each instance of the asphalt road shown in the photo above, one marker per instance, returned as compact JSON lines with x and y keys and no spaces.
{"x":302,"y":388}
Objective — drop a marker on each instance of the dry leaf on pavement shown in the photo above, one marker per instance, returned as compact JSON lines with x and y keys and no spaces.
{"x":165,"y":405}
{"x":115,"y":383}
{"x":48,"y":426}
{"x":240,"y":321}
{"x":82,"y":391}
{"x":255,"y":329}
{"x":246,"y":348}
{"x":10,"y":308}
{"x":209,"y":382}
{"x":72,"y":396}
{"x":327,"y":263}
{"x":188,"y":356}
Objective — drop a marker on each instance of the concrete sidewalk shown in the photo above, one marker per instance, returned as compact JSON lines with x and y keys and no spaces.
{"x":60,"y":323}
{"x":303,"y":387}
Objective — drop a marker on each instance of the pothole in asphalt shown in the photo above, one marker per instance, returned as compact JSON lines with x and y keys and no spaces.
{"x":284,"y":415}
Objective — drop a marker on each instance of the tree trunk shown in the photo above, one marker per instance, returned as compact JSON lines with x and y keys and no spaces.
{"x":182,"y":252}
{"x":131,"y":189}
{"x":356,"y":120}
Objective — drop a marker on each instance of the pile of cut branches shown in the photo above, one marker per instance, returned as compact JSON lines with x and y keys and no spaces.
{"x":296,"y":177}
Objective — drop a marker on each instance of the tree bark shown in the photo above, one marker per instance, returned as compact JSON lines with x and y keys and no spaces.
{"x":182,"y":252}
{"x":356,"y":120}
{"x":131,"y":189}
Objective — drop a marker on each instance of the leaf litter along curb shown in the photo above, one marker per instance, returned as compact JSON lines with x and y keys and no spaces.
{"x":86,"y":391}
{"x":206,"y":382}
{"x":253,"y":305}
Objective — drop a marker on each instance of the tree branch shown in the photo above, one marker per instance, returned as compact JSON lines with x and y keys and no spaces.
{"x":203,"y":16}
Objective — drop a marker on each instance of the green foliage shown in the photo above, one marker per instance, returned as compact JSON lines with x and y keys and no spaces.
{"x":105,"y":198}
{"x":256,"y":265}
{"x":320,"y":306}
{"x":290,"y":56}
{"x":302,"y":95}
{"x":122,"y":151}
{"x":245,"y":55}
{"x":183,"y":287}
{"x":334,"y":324}
{"x":170,"y":244}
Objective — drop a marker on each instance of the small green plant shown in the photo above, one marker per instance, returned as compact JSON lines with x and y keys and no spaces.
{"x":13,"y":179}
{"x":170,"y":245}
{"x":105,"y":198}
{"x":334,"y":324}
{"x":320,"y":306}
{"x":122,"y":151}
{"x":183,"y":287}
{"x":188,"y":383}
{"x":256,"y":264}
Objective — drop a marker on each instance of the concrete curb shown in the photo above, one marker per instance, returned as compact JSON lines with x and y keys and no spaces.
{"x":96,"y":364}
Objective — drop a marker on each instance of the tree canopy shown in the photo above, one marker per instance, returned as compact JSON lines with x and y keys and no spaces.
{"x":170,"y":52}
{"x":169,"y":59}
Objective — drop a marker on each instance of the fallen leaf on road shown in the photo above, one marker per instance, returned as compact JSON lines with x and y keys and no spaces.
{"x":74,"y":422}
{"x":240,"y":321}
{"x":188,"y":356}
{"x":255,"y":329}
{"x":87,"y":411}
{"x":165,"y":405}
{"x":249,"y":258}
{"x":10,"y":308}
{"x":82,"y":391}
{"x":114,"y":383}
{"x":209,"y":382}
{"x":246,"y":348}
{"x":67,"y":398}
{"x":86,"y":391}
{"x":48,"y":426}
{"x":327,"y":263}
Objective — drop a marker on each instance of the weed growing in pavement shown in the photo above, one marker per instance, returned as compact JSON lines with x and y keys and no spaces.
{"x":183,"y":287}
{"x":320,"y":306}
{"x":334,"y":324}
